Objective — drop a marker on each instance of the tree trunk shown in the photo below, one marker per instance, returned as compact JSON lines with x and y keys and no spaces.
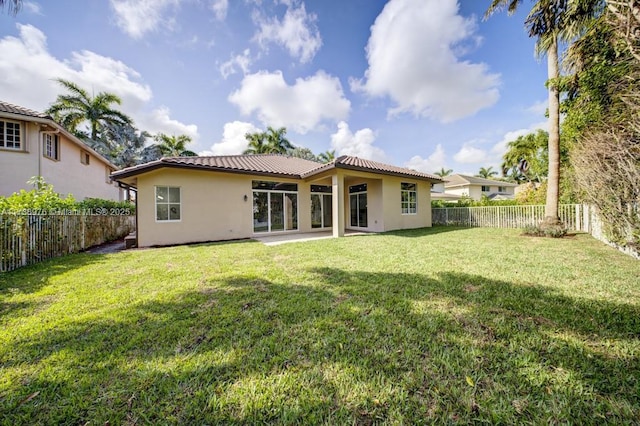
{"x":553,"y":184}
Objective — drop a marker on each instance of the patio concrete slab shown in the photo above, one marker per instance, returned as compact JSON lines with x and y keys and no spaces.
{"x":274,"y":240}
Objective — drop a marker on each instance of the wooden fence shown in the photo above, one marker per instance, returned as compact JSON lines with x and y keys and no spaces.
{"x":576,"y":217}
{"x":31,"y":238}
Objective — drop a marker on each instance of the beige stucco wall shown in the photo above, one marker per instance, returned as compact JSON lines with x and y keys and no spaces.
{"x":212,"y":206}
{"x":68,"y":175}
{"x":394,"y":219}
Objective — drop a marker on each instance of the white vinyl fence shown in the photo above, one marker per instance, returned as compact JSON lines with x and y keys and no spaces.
{"x":26,"y":239}
{"x":576,"y":217}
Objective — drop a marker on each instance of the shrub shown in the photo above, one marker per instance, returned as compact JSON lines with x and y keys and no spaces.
{"x":43,"y":199}
{"x":549,"y":231}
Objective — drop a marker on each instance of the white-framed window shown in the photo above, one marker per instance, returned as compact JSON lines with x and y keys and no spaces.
{"x":502,"y":189}
{"x":486,"y":188}
{"x":51,"y":146}
{"x":85,"y":158}
{"x":11,"y":135}
{"x":168,"y":208}
{"x":408,"y":198}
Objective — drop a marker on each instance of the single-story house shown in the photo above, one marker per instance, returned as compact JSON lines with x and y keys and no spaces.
{"x":475,"y":187}
{"x":33,"y":144}
{"x":195,"y":199}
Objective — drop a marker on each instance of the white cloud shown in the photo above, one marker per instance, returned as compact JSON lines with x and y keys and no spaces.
{"x":219,"y":8}
{"x":29,"y":70}
{"x":431,"y":164}
{"x":138,"y":17}
{"x":500,"y":148}
{"x":358,"y":144}
{"x":470,"y":154}
{"x":242,"y":61}
{"x":301,"y":107}
{"x":414,"y":55}
{"x":539,"y":108}
{"x":233,"y":140}
{"x":296,"y":32}
{"x":161,"y":122}
{"x":32,"y":7}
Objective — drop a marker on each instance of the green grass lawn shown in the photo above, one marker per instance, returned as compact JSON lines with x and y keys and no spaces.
{"x":437,"y":325}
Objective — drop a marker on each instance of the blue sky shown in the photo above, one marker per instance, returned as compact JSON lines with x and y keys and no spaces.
{"x":418,"y":83}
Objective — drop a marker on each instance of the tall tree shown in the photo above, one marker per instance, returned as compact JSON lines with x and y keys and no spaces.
{"x":526,"y":158}
{"x":551,"y":21}
{"x":443,"y":172}
{"x":174,"y":146}
{"x":128,"y":145}
{"x":277,"y":141}
{"x":487,"y":173}
{"x":302,"y":152}
{"x":327,"y":156}
{"x":78,"y":107}
{"x":14,"y":6}
{"x":256,"y":143}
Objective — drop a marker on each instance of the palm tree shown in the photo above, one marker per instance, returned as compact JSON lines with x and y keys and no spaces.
{"x":174,"y":146}
{"x":551,"y":21}
{"x":327,"y":156}
{"x":256,"y":144}
{"x":443,"y":172}
{"x":276,"y":140}
{"x":487,"y":173}
{"x":302,"y":152}
{"x":78,"y":107}
{"x":526,"y":157}
{"x":14,"y":6}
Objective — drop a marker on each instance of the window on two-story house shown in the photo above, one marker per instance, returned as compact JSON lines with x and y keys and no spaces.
{"x":85,"y":158}
{"x":11,"y":135}
{"x":51,"y":146}
{"x":486,"y":188}
{"x":408,"y":198}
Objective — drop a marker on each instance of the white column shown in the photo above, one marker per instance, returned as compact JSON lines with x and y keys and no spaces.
{"x":337,"y":194}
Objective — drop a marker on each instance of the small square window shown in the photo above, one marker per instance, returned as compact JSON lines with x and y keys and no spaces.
{"x":486,"y":188}
{"x":168,"y":208}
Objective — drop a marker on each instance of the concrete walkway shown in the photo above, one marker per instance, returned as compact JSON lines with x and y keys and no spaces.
{"x":274,"y":240}
{"x":112,"y":247}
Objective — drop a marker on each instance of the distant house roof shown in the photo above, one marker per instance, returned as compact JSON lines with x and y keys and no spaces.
{"x":465,"y":180}
{"x":444,"y":196}
{"x":16,"y":112}
{"x":272,"y":165}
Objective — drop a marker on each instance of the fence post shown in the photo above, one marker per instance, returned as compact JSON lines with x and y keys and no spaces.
{"x":83,"y":221}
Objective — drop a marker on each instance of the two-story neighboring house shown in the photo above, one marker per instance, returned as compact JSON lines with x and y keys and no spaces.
{"x":475,"y":187}
{"x":32,"y":144}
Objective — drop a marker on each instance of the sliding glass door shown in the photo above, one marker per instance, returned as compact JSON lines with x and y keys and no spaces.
{"x":275,"y":206}
{"x":358,"y":205}
{"x":321,"y":206}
